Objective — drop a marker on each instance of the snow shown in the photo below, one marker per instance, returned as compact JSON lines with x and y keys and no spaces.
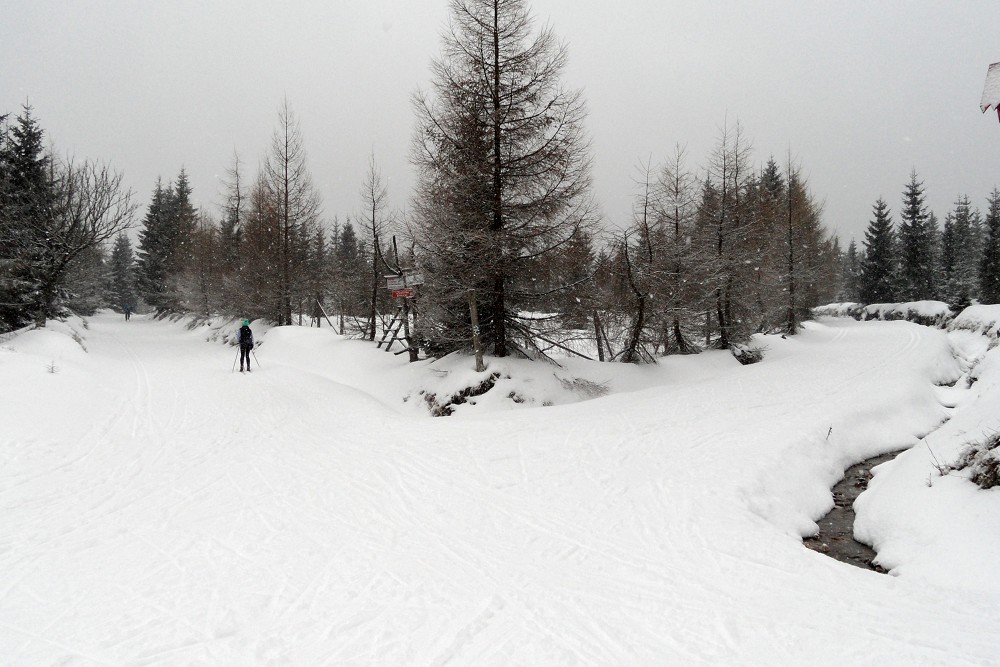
{"x":157,"y":508}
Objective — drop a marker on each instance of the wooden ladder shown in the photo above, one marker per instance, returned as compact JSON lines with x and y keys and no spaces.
{"x":391,"y":333}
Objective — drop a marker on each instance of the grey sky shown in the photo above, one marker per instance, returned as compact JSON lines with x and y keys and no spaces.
{"x":861,"y":92}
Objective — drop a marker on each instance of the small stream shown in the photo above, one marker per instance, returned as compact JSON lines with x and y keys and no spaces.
{"x":836,"y":529}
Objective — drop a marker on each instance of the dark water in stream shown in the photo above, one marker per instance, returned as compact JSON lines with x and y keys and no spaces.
{"x":836,"y":529}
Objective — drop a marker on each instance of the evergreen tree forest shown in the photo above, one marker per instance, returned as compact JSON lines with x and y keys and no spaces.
{"x":918,"y":259}
{"x":718,"y":247}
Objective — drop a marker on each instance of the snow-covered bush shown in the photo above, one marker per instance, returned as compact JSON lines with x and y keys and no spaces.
{"x":978,"y":319}
{"x":928,"y":313}
{"x":747,"y":355}
{"x":846,"y":309}
{"x":982,"y":461}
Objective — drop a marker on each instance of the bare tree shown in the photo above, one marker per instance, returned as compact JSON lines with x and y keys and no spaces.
{"x":678,"y":202}
{"x":290,"y":186}
{"x":89,"y":207}
{"x":729,"y":172}
{"x":376,"y":224}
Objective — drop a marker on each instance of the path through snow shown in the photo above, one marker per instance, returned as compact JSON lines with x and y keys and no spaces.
{"x":156,"y":508}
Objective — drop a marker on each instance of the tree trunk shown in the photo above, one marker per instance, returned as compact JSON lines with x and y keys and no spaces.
{"x":498,"y":306}
{"x":373,"y":311}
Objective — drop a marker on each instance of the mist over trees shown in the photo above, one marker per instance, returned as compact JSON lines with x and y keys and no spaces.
{"x":719,"y":247}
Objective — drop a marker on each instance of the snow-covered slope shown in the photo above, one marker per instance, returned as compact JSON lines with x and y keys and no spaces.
{"x":156,"y":508}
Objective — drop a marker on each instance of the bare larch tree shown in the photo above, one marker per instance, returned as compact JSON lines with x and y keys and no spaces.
{"x":504,"y":170}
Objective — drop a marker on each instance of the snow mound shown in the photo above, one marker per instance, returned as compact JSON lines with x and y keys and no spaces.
{"x":979,"y":319}
{"x":845,"y":309}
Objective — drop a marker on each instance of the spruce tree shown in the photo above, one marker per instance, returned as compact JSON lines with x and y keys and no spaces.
{"x":946,"y":284}
{"x":961,"y":250}
{"x":123,"y":279}
{"x":183,"y":222}
{"x":989,"y":268}
{"x":878,"y":280}
{"x":155,"y":250}
{"x":916,"y":241}
{"x":851,"y":273}
{"x":25,"y":212}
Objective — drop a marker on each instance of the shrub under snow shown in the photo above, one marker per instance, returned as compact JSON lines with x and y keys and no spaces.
{"x":982,"y":461}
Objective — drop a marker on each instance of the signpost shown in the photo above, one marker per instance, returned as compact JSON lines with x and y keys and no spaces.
{"x":404,"y":293}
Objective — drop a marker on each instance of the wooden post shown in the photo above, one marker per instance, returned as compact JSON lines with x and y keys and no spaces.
{"x":406,"y":331}
{"x":476,"y":344}
{"x":323,"y":310}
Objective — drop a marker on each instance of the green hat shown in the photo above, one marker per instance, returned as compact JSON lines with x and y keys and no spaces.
{"x":246,"y":322}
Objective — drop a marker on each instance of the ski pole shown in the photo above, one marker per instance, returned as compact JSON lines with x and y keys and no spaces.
{"x":235,"y":360}
{"x":255,"y":357}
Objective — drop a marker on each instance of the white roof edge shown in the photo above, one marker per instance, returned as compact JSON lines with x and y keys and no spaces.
{"x":991,"y":90}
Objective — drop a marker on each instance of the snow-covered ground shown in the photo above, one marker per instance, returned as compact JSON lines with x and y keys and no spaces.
{"x":157,"y":508}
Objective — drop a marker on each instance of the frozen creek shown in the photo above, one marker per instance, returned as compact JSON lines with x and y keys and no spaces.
{"x":836,"y":530}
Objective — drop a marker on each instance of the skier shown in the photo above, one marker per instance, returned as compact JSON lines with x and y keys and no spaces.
{"x":245,"y":338}
{"x":128,"y":313}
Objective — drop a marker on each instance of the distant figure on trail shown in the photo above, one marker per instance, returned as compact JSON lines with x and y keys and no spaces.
{"x":128,"y":313}
{"x":245,"y":338}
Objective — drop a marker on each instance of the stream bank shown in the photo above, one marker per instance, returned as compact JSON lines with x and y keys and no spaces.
{"x":836,"y":530}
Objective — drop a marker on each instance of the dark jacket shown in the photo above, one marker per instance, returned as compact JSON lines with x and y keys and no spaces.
{"x":245,"y":336}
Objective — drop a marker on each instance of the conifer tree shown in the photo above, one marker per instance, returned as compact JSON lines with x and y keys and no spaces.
{"x":989,"y":268}
{"x":155,"y":250}
{"x":123,"y":279}
{"x":916,"y":244}
{"x":960,"y":254}
{"x":352,"y":274}
{"x":295,"y":203}
{"x":27,"y":198}
{"x":504,"y":170}
{"x":183,"y":223}
{"x":683,"y":295}
{"x":725,"y":224}
{"x":878,"y":280}
{"x":851,"y":273}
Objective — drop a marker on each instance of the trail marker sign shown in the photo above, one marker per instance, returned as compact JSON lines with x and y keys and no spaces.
{"x":403,"y":280}
{"x":405,"y":293}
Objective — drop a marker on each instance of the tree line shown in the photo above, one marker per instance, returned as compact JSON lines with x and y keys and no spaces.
{"x":56,"y":214}
{"x":918,"y":258}
{"x":502,"y":208}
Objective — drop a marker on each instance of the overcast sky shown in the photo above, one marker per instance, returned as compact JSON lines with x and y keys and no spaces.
{"x":860,"y":92}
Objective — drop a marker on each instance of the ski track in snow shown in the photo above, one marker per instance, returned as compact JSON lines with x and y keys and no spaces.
{"x":185,"y":514}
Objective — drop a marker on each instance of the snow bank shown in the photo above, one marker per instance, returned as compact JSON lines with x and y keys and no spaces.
{"x":845,"y":309}
{"x":981,"y":319}
{"x":928,"y":523}
{"x":929,"y":313}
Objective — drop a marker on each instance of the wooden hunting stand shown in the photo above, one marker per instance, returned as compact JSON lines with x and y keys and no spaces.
{"x":402,"y":285}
